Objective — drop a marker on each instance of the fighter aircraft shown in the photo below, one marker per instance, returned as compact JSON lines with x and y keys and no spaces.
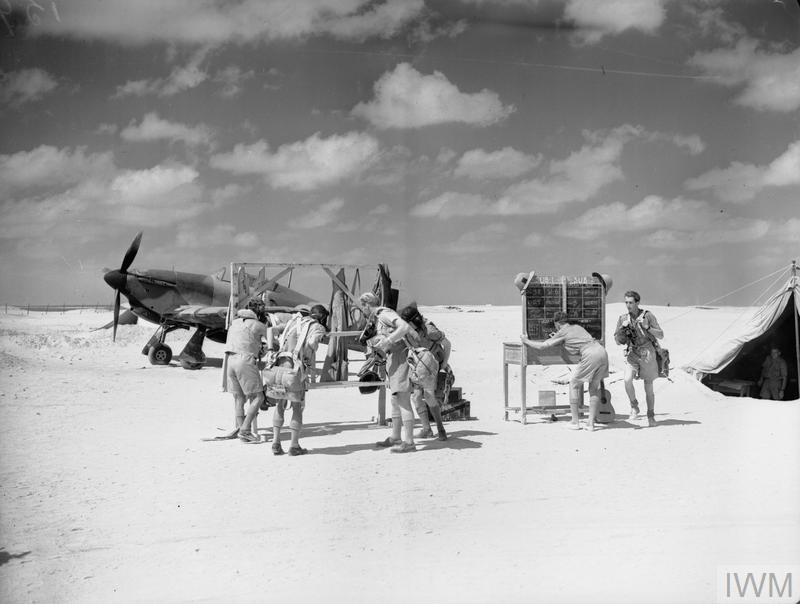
{"x":179,"y":300}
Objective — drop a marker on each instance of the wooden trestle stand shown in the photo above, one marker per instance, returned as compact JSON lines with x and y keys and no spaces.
{"x":584,"y":301}
{"x":249,"y":280}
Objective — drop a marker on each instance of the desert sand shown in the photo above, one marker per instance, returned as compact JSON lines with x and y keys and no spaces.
{"x":109,"y":494}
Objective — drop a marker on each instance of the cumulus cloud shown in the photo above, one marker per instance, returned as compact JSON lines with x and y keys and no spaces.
{"x":486,"y":238}
{"x":324,"y":215}
{"x":741,"y":182}
{"x":769,"y":81}
{"x":197,"y":237}
{"x":153,"y":128}
{"x":50,"y":167}
{"x":139,"y":197}
{"x":786,"y":230}
{"x":303,"y":165}
{"x":100,"y":198}
{"x":181,"y":78}
{"x":25,"y":86}
{"x":574,"y":179}
{"x":672,"y":223}
{"x":504,"y":163}
{"x":231,"y":81}
{"x":222,"y":196}
{"x":218,"y":21}
{"x":595,"y":20}
{"x":405,"y":98}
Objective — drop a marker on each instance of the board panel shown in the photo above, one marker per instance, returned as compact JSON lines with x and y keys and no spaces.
{"x":582,"y":298}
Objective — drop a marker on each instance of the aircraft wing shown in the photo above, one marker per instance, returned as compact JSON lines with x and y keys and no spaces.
{"x":211,"y":317}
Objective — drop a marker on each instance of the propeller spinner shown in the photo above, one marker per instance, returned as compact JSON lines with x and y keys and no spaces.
{"x":118,"y":278}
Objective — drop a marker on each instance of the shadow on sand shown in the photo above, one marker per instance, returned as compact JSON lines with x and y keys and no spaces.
{"x":457,"y":439}
{"x":622,"y":422}
{"x":5,"y":557}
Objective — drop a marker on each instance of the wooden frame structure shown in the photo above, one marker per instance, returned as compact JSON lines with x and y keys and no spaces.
{"x":583,"y":299}
{"x":249,"y":280}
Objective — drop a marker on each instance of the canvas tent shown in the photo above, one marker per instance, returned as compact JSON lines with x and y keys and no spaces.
{"x":738,"y":359}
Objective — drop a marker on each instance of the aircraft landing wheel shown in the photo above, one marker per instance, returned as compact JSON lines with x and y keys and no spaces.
{"x":160,"y":354}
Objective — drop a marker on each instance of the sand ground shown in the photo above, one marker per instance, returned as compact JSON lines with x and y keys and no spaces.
{"x":109,"y":495}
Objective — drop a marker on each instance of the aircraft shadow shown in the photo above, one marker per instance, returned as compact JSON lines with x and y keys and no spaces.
{"x":213,"y":362}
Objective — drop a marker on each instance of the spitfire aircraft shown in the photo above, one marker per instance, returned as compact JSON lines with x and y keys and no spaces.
{"x":179,"y":300}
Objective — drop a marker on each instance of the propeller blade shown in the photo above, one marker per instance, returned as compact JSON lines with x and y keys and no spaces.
{"x":116,"y":316}
{"x":131,"y":253}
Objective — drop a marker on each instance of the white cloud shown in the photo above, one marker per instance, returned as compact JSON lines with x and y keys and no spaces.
{"x":49,"y":167}
{"x":196,"y":237}
{"x":223,"y":196}
{"x":25,"y":86}
{"x":150,"y":186}
{"x":504,"y":163}
{"x":673,"y":224}
{"x":742,"y":182}
{"x":597,"y":19}
{"x":486,"y":238}
{"x":577,"y":178}
{"x":382,"y":20}
{"x":303,"y":165}
{"x":324,"y":215}
{"x":216,"y":22}
{"x":730,"y":230}
{"x":404,"y":98}
{"x":181,"y":78}
{"x":573,"y":179}
{"x":231,"y":81}
{"x":152,"y":128}
{"x":769,"y":81}
{"x":534,"y":240}
{"x":788,"y":231}
{"x":711,"y":22}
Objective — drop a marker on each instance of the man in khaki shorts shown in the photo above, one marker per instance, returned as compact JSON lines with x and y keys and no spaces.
{"x":637,"y":329}
{"x":243,"y":379}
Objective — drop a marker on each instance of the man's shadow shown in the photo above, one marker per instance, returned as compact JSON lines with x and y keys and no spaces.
{"x":622,"y":422}
{"x":5,"y":557}
{"x":457,"y":440}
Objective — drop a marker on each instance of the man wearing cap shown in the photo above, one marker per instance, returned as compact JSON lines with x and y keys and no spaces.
{"x":243,"y":380}
{"x":299,"y":342}
{"x":391,"y":330}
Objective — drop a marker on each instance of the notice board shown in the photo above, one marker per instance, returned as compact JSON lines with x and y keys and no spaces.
{"x":583,"y":298}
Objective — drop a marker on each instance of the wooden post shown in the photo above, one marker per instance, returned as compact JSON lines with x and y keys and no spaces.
{"x":382,"y":406}
{"x":796,"y":331}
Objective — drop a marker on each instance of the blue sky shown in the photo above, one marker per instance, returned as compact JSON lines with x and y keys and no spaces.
{"x":459,"y":141}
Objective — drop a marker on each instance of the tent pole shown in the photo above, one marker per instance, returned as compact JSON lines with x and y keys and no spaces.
{"x":796,"y":337}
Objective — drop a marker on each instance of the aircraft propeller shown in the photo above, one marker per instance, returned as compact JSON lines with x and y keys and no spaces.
{"x":118,"y":278}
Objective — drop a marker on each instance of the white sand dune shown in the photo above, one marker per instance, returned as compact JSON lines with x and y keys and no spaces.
{"x":109,"y":495}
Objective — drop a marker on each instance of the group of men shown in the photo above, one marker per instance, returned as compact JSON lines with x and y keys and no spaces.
{"x":250,"y":335}
{"x":405,"y":343}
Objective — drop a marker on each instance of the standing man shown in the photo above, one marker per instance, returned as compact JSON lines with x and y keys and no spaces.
{"x":299,"y":342}
{"x":424,"y":334}
{"x":638,"y":329}
{"x":774,"y":374}
{"x":391,"y":331}
{"x":243,"y":347}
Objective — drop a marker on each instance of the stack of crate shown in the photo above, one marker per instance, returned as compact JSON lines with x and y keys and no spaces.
{"x":455,"y":407}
